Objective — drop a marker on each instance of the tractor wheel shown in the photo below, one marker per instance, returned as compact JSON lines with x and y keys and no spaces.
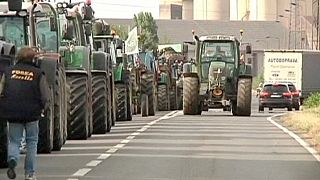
{"x":148,"y":89}
{"x":67,"y":97}
{"x":234,"y":108}
{"x":244,"y":97}
{"x":173,"y":99}
{"x":180,"y":98}
{"x":144,"y":105}
{"x":109,"y":104}
{"x":121,"y":102}
{"x":163,"y":98}
{"x":46,"y":128}
{"x":99,"y":103}
{"x":78,"y":107}
{"x":129,"y":102}
{"x":190,"y":96}
{"x":59,"y":111}
{"x":3,"y":144}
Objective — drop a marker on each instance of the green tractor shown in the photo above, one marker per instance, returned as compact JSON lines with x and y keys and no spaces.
{"x":102,"y":78}
{"x":216,"y":78}
{"x":41,"y":31}
{"x":146,"y":82}
{"x":123,"y":84}
{"x":169,"y":90}
{"x":119,"y":83}
{"x":76,"y":53}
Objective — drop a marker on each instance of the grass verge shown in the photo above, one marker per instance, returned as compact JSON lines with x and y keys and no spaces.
{"x":306,"y":123}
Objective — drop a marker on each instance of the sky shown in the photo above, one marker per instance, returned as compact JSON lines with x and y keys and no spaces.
{"x":124,"y":8}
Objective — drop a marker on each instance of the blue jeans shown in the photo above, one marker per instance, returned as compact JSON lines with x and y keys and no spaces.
{"x":15,"y":137}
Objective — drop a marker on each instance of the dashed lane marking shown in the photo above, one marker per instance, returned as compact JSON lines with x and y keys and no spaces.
{"x":94,"y":163}
{"x":118,"y":146}
{"x":82,"y":172}
{"x":104,"y":156}
{"x":112,"y":150}
{"x":126,"y":141}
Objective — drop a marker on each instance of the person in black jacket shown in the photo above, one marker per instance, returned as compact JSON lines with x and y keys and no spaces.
{"x":24,"y":95}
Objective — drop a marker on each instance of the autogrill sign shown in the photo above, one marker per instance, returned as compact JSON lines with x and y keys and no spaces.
{"x":283,"y":60}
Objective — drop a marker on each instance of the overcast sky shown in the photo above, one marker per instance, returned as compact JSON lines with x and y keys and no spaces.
{"x":124,"y":8}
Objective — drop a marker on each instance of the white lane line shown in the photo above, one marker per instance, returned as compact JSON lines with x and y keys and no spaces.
{"x":112,"y":150}
{"x":303,"y":143}
{"x":93,"y":163}
{"x":118,"y":146}
{"x":82,"y":172}
{"x":72,"y":179}
{"x":104,"y":156}
{"x":126,"y":141}
{"x":135,"y":134}
{"x":142,"y":129}
{"x":130,"y":137}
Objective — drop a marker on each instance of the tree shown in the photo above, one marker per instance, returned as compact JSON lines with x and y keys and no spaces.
{"x":121,"y":31}
{"x":147,"y":31}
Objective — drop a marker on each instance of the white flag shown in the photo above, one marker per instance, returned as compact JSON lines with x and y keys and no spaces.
{"x":132,"y":42}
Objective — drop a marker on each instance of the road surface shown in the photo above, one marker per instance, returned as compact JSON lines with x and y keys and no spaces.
{"x":171,"y":146}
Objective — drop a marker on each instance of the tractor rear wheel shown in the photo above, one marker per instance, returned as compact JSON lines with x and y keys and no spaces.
{"x":191,"y":95}
{"x":173,"y":99}
{"x":244,"y":97}
{"x":163,"y":98}
{"x":3,"y":144}
{"x":78,"y":106}
{"x":59,"y":110}
{"x":99,"y":103}
{"x":144,"y":105}
{"x":46,"y":128}
{"x":129,"y":102}
{"x":121,"y":102}
{"x":148,"y":89}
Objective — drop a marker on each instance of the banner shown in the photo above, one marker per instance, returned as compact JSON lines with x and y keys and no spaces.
{"x":132,"y":42}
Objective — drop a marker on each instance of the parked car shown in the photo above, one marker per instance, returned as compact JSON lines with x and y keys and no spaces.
{"x":276,"y":95}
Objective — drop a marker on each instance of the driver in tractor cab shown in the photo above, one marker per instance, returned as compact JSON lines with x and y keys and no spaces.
{"x":218,"y":52}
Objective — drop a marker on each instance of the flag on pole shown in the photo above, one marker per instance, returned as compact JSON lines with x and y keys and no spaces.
{"x":132,"y":42}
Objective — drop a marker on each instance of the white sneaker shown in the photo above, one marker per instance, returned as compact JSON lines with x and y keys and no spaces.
{"x":30,"y":177}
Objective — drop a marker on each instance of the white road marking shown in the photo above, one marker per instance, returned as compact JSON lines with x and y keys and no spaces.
{"x":130,"y":137}
{"x":142,"y":129}
{"x":82,"y":172}
{"x":126,"y":141}
{"x":118,"y":146}
{"x":93,"y":163}
{"x":72,"y":179}
{"x":135,"y":134}
{"x":303,"y":143}
{"x":104,"y":156}
{"x":112,"y":150}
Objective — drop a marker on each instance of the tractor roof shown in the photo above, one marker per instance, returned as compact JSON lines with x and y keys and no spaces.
{"x":217,"y":37}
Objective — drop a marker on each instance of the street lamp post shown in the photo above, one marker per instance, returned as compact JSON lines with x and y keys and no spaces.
{"x":269,"y":37}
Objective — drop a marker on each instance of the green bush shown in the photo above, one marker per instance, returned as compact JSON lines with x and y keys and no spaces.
{"x":313,"y":101}
{"x":257,"y":80}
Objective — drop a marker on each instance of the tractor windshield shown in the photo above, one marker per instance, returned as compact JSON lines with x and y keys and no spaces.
{"x":13,"y":30}
{"x":218,"y":51}
{"x":213,"y":52}
{"x":46,"y":28}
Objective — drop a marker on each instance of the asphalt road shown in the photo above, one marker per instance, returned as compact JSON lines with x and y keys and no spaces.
{"x":213,"y":146}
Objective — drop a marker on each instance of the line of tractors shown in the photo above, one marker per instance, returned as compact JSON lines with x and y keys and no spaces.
{"x":93,"y":82}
